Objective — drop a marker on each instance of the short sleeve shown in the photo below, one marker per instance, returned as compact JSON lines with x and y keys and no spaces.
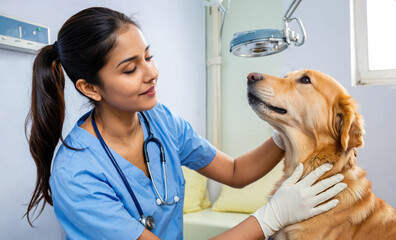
{"x":195,"y":152}
{"x":88,"y":208}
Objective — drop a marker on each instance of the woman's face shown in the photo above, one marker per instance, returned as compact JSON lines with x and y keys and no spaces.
{"x":130,"y":75}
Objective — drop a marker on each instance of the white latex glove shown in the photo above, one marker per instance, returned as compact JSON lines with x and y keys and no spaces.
{"x":278,"y":140}
{"x":296,"y":200}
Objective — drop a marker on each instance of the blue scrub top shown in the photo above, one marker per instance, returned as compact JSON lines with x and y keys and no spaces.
{"x":90,"y":199}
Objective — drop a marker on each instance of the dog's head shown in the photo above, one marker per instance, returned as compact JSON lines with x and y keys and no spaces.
{"x":309,"y":108}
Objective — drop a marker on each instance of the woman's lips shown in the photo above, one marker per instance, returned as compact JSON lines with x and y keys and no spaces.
{"x":149,"y":92}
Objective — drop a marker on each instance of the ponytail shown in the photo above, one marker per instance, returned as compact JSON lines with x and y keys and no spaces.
{"x":47,"y":113}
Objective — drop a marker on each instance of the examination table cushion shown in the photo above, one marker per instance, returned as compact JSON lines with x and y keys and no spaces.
{"x":249,"y":198}
{"x":196,"y":192}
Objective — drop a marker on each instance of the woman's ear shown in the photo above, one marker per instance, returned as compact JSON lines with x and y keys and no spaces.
{"x":89,"y":90}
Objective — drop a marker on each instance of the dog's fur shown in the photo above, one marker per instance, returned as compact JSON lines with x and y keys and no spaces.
{"x":318,"y":122}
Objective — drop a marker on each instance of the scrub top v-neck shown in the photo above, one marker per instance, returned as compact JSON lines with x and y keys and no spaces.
{"x":90,"y":199}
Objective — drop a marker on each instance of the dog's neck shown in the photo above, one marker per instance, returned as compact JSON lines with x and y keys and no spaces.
{"x":302,"y":147}
{"x":342,"y":160}
{"x":298,"y":146}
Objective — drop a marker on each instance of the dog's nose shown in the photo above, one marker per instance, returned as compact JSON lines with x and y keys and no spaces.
{"x":254,"y":77}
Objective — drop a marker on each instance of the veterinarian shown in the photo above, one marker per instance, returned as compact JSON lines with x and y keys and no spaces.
{"x":102,"y":185}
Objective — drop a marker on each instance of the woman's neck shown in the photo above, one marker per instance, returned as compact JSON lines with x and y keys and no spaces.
{"x":117,"y":126}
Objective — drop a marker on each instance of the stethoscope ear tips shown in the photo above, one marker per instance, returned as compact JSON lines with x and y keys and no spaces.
{"x":160,"y":202}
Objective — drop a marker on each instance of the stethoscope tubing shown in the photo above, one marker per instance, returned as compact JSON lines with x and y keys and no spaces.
{"x":106,"y":148}
{"x":149,"y":139}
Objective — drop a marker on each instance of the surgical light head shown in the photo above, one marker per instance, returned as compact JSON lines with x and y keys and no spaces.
{"x":263,"y":42}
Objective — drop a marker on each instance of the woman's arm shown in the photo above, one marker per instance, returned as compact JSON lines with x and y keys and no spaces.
{"x":248,"y":229}
{"x":245,"y":169}
{"x":147,"y":235}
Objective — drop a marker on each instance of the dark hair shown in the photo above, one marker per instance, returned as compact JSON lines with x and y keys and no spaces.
{"x":82,"y":49}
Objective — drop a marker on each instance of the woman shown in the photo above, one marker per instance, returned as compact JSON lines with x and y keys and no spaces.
{"x":106,"y":56}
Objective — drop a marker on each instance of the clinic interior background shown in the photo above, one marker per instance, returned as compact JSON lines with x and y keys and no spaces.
{"x":179,"y":33}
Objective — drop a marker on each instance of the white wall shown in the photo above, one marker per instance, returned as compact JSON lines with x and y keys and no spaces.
{"x":328,"y":49}
{"x":176,"y":31}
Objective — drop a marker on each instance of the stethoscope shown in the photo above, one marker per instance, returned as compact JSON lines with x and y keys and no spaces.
{"x":147,"y":221}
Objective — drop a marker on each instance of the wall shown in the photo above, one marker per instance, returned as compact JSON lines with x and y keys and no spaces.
{"x":241,"y":129}
{"x":328,"y":49}
{"x":176,"y":31}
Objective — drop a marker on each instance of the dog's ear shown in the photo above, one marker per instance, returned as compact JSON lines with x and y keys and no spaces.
{"x":348,"y":124}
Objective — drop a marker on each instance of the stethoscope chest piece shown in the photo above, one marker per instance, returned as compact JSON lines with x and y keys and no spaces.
{"x":148,"y":222}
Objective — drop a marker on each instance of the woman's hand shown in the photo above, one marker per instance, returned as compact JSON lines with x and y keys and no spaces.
{"x":297,"y":200}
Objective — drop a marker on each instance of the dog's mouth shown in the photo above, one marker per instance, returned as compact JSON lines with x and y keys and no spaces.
{"x":253,"y":100}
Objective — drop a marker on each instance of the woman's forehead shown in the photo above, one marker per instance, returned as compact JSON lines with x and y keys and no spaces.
{"x":130,"y":42}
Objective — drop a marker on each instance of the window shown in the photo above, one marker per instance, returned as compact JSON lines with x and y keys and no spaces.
{"x":375,"y":41}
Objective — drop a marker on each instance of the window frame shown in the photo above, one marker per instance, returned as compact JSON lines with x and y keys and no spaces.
{"x":362,"y":75}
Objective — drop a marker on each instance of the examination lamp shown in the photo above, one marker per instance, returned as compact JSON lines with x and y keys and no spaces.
{"x":263,"y":42}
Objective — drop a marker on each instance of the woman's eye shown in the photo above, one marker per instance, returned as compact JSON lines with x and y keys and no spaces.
{"x":305,"y":80}
{"x":131,"y":71}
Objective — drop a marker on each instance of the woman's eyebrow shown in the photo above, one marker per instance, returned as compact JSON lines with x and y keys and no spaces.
{"x":131,"y":58}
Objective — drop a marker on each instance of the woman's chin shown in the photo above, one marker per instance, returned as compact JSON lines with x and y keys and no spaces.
{"x":149,"y":104}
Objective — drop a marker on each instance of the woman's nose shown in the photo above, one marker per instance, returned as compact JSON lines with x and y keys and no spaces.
{"x":151,"y":70}
{"x":254,"y":77}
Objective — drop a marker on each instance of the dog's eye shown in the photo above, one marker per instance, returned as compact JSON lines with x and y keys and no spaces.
{"x":305,"y":80}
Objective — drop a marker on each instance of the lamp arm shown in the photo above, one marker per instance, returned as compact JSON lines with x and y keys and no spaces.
{"x":291,"y":9}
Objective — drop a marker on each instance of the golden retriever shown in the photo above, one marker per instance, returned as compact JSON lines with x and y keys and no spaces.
{"x":318,"y":122}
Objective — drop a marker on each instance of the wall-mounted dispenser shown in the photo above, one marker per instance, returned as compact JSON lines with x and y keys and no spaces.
{"x":23,"y":36}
